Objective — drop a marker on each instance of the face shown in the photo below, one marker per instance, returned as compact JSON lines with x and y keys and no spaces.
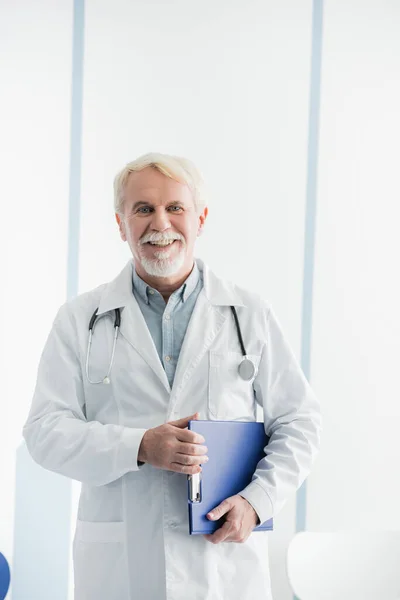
{"x":157,"y":211}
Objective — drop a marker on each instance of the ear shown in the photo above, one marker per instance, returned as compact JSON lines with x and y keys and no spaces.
{"x":202,"y":219}
{"x":121,"y":226}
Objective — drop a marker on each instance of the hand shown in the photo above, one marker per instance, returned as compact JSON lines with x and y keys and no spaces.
{"x":240,"y":520}
{"x":173,"y":447}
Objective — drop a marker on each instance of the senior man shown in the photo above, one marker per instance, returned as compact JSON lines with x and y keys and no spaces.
{"x":111,"y":406}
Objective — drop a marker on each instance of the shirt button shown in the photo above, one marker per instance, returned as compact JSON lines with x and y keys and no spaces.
{"x":168,"y":358}
{"x":167,"y":317}
{"x":172,"y":524}
{"x":151,"y":292}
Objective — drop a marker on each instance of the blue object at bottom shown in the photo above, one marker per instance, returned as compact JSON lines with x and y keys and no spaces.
{"x":234,"y":450}
{"x":4,"y":576}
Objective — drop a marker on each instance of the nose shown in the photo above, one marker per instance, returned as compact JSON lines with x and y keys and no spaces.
{"x":160,"y":219}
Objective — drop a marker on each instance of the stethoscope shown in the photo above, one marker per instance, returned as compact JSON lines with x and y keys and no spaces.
{"x":247,"y":369}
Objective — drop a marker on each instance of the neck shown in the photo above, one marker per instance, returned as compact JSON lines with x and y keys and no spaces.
{"x":165,"y":285}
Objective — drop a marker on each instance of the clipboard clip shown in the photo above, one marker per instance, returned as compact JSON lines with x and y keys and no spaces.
{"x":194,"y":481}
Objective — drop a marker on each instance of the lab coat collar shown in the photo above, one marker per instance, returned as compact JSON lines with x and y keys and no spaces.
{"x":187,"y":288}
{"x":219,"y":292}
{"x":207,"y":318}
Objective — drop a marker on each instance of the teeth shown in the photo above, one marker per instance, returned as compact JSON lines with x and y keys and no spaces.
{"x":161,"y":243}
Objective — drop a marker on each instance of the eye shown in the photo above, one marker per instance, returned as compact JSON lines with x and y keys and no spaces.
{"x":141,"y":209}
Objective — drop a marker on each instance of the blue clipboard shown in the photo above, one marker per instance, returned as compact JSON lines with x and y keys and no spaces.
{"x":234,"y":450}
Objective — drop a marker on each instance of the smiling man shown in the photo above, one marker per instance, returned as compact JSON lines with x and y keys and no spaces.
{"x":159,"y":220}
{"x":112,"y":405}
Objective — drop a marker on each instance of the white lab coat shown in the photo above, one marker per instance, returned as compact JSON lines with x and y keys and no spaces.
{"x":132,"y":537}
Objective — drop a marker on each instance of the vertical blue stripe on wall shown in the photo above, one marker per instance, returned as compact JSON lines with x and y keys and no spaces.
{"x":310,"y":218}
{"x":43,"y":499}
{"x":76,"y":150}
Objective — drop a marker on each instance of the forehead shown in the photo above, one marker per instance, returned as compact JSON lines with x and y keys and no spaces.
{"x":153,"y":186}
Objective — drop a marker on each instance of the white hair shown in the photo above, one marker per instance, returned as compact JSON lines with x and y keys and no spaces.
{"x":180,"y":169}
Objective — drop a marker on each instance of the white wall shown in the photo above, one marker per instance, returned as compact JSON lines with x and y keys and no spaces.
{"x":35,"y":106}
{"x":227,"y":84}
{"x":356,"y":325}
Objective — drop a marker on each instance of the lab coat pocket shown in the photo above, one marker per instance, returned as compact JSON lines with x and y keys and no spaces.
{"x":229,"y":396}
{"x":100,"y":561}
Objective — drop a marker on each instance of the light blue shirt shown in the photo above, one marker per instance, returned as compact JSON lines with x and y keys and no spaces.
{"x":167,"y":322}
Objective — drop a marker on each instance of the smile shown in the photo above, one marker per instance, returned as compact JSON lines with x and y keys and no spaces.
{"x":162,"y":244}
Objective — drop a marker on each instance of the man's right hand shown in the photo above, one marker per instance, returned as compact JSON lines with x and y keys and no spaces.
{"x":173,"y":447}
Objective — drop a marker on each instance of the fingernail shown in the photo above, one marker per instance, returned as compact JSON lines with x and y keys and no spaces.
{"x":211,"y":515}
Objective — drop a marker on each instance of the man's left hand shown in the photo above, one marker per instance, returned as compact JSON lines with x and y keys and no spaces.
{"x":240,"y":520}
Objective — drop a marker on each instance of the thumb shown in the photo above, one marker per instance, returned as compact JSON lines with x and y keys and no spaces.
{"x":182,"y":423}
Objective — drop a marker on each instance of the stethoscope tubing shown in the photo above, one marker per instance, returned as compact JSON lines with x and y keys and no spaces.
{"x":247,"y":370}
{"x":117,"y":323}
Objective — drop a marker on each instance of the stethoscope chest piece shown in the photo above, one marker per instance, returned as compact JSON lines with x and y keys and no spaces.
{"x":247,"y":369}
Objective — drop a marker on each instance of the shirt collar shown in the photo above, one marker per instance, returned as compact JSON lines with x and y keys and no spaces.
{"x":218,"y":291}
{"x":187,"y":287}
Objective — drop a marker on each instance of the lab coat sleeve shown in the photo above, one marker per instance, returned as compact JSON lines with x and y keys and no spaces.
{"x":56,"y":432}
{"x":292,"y":419}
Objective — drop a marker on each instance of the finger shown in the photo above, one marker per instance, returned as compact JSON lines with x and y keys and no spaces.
{"x":220,"y":535}
{"x":192,"y":449}
{"x":191,"y":437}
{"x":184,"y":421}
{"x":220,"y":510}
{"x":186,"y":459}
{"x":187,"y":469}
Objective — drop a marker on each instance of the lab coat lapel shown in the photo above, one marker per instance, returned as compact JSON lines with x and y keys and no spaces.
{"x":206,"y":322}
{"x":119,"y":294}
{"x":204,"y":325}
{"x":134,"y":329}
